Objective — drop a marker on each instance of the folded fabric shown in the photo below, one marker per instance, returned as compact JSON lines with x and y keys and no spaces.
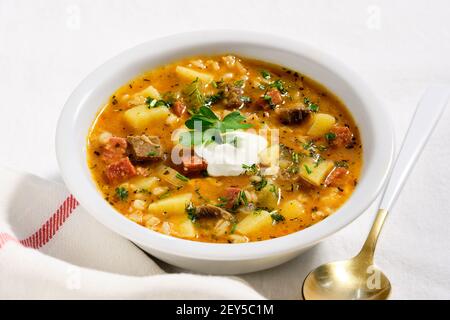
{"x":50,"y":248}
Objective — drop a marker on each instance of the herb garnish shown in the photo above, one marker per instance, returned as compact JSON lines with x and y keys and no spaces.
{"x":279,"y":85}
{"x":181,"y":177}
{"x":212,"y":99}
{"x":121,"y":193}
{"x":265,"y":74}
{"x":308,"y":170}
{"x":153,"y":103}
{"x":276,"y":217}
{"x":250,"y":170}
{"x":194,"y":96}
{"x":259,"y":185}
{"x":209,"y":120}
{"x":191,"y":212}
{"x":239,"y":83}
{"x":233,"y":228}
{"x":311,"y":106}
{"x":330,"y":136}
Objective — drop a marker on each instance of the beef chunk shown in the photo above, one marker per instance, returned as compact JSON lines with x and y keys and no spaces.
{"x":179,"y":108}
{"x":210,"y":211}
{"x":143,"y":148}
{"x":293,"y":115}
{"x":232,"y":96}
{"x":194,"y":164}
{"x":120,"y":170}
{"x":344,"y":137}
{"x":114,"y":150}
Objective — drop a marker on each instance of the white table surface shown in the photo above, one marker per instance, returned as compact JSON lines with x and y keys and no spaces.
{"x":399,"y":47}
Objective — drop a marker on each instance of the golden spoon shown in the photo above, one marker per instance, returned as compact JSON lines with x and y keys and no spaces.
{"x":358,"y":278}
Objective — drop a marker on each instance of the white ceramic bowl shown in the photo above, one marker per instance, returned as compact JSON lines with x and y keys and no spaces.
{"x":94,"y":91}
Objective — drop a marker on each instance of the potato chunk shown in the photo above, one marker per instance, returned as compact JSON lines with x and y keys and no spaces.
{"x":292,"y":209}
{"x":191,"y":75}
{"x":171,"y":206}
{"x":145,"y":183}
{"x":150,"y":91}
{"x":142,"y":117}
{"x":321,"y":124}
{"x":315,"y":172}
{"x":268,"y":197}
{"x":183,"y":227}
{"x":254,"y":222}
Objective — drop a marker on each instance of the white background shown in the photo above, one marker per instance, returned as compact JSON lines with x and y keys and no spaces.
{"x":399,"y":47}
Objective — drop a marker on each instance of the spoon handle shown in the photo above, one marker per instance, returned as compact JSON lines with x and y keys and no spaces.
{"x":424,"y":121}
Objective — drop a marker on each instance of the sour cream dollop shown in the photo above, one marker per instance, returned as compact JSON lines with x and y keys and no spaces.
{"x":237,"y":148}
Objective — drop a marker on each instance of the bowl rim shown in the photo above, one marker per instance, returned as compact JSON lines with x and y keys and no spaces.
{"x":108,"y":216}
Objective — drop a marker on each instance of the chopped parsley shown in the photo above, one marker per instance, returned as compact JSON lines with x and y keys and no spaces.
{"x":214,"y":98}
{"x":330,"y":136}
{"x":194,"y":96}
{"x":233,"y":228}
{"x":279,"y":85}
{"x":275,"y":190}
{"x":181,"y":177}
{"x":308,"y":170}
{"x":239,"y":83}
{"x":295,"y":157}
{"x":265,"y":74}
{"x":242,"y":198}
{"x":250,"y":170}
{"x":308,"y":145}
{"x":268,"y":98}
{"x":311,"y":106}
{"x":153,"y":103}
{"x":152,"y":154}
{"x":276,"y":217}
{"x":259,"y":185}
{"x":191,"y":212}
{"x":121,"y":193}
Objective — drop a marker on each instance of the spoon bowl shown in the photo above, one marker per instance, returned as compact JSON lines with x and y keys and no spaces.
{"x":345,"y":280}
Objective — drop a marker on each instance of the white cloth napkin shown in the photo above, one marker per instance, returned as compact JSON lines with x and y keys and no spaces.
{"x":51,"y":248}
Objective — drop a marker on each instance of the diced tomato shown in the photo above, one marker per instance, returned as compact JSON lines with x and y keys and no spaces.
{"x":114,"y":150}
{"x":275,"y":96}
{"x":343,"y":136}
{"x":335,"y":176}
{"x":120,"y":170}
{"x":194,"y":163}
{"x":179,"y":108}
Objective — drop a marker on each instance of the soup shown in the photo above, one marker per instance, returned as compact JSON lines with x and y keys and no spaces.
{"x":224,"y":149}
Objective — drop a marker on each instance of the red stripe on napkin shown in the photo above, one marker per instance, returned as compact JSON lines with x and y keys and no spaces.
{"x":48,"y":229}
